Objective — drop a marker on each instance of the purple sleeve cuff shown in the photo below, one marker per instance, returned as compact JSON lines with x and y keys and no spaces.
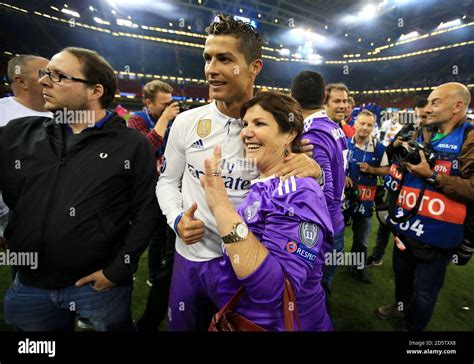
{"x":266,"y":283}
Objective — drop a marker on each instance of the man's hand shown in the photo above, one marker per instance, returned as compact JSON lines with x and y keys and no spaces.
{"x":171,"y":111}
{"x":190,"y":229}
{"x":398,"y":142}
{"x":365,"y":167}
{"x":168,"y":114}
{"x":299,"y":165}
{"x":349,"y":183}
{"x":307,"y":147}
{"x":422,"y":169}
{"x":100,"y":282}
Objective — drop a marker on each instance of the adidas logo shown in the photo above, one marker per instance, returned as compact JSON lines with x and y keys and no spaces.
{"x":198,"y":144}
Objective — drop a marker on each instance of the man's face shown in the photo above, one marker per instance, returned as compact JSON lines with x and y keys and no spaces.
{"x":336,"y":105}
{"x":349,"y":109}
{"x":395,"y":117}
{"x":31,"y":76}
{"x":227,"y":72}
{"x":420,"y":116}
{"x":159,"y":104}
{"x":440,"y":107}
{"x":364,"y":126}
{"x":67,"y":94}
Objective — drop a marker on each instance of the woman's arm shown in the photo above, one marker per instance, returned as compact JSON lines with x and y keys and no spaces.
{"x":248,"y":254}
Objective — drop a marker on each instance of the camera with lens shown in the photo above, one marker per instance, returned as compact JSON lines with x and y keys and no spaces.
{"x":407,"y":133}
{"x":351,"y":194}
{"x":464,"y":252}
{"x":466,"y":249}
{"x":410,"y":152}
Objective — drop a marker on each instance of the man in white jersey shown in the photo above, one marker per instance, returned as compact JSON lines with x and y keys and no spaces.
{"x":232,"y":57}
{"x":28,"y":94}
{"x":27,"y":101}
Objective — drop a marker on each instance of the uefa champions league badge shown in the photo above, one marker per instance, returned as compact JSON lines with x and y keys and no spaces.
{"x":308,"y":233}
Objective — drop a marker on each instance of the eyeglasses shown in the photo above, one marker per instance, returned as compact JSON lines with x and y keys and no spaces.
{"x":57,"y":77}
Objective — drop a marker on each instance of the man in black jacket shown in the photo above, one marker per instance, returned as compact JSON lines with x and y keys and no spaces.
{"x":80,"y":188}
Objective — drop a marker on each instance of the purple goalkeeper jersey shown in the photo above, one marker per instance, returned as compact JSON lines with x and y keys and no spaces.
{"x":292,"y":220}
{"x":330,"y":151}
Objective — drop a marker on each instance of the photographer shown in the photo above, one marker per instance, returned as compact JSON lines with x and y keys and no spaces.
{"x":154,"y":122}
{"x":392,"y":179}
{"x":431,"y":207}
{"x":367,"y":160}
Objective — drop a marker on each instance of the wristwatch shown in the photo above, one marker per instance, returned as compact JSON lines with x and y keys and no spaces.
{"x":240,"y":231}
{"x":431,"y":180}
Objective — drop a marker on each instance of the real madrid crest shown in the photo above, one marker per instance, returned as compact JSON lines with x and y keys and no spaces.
{"x":204,"y":128}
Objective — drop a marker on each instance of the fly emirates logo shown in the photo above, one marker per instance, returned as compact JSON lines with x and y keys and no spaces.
{"x":433,"y":205}
{"x":232,"y":180}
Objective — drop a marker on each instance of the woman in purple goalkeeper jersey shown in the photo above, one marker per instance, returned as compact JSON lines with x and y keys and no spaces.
{"x":288,"y":222}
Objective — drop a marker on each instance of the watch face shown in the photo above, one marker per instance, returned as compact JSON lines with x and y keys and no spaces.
{"x":242,"y":231}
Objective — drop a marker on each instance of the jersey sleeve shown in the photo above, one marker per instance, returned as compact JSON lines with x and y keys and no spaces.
{"x":168,"y":188}
{"x":293,"y":234}
{"x":323,"y":148}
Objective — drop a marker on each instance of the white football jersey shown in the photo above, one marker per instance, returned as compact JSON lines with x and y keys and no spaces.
{"x":192,"y":139}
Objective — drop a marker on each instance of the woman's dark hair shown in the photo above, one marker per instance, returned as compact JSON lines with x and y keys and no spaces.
{"x":285,"y":110}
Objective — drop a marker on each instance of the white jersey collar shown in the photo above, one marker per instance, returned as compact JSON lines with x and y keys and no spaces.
{"x":220,"y":117}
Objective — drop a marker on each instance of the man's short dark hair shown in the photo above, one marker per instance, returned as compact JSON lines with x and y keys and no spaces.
{"x":284,"y":109}
{"x":96,"y":70}
{"x":421,"y":103}
{"x":335,"y":86}
{"x":249,"y":42}
{"x":308,"y":89}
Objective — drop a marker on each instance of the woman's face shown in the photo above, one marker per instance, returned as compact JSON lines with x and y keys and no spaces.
{"x":263,"y":140}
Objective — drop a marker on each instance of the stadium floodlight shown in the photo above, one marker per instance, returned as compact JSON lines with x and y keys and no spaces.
{"x":315,"y":58}
{"x":368,"y":12}
{"x":284,"y":52}
{"x":349,"y":19}
{"x":70,"y":12}
{"x":409,"y":35}
{"x":449,"y":24}
{"x":101,"y":21}
{"x":297,"y":55}
{"x":126,"y":23}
